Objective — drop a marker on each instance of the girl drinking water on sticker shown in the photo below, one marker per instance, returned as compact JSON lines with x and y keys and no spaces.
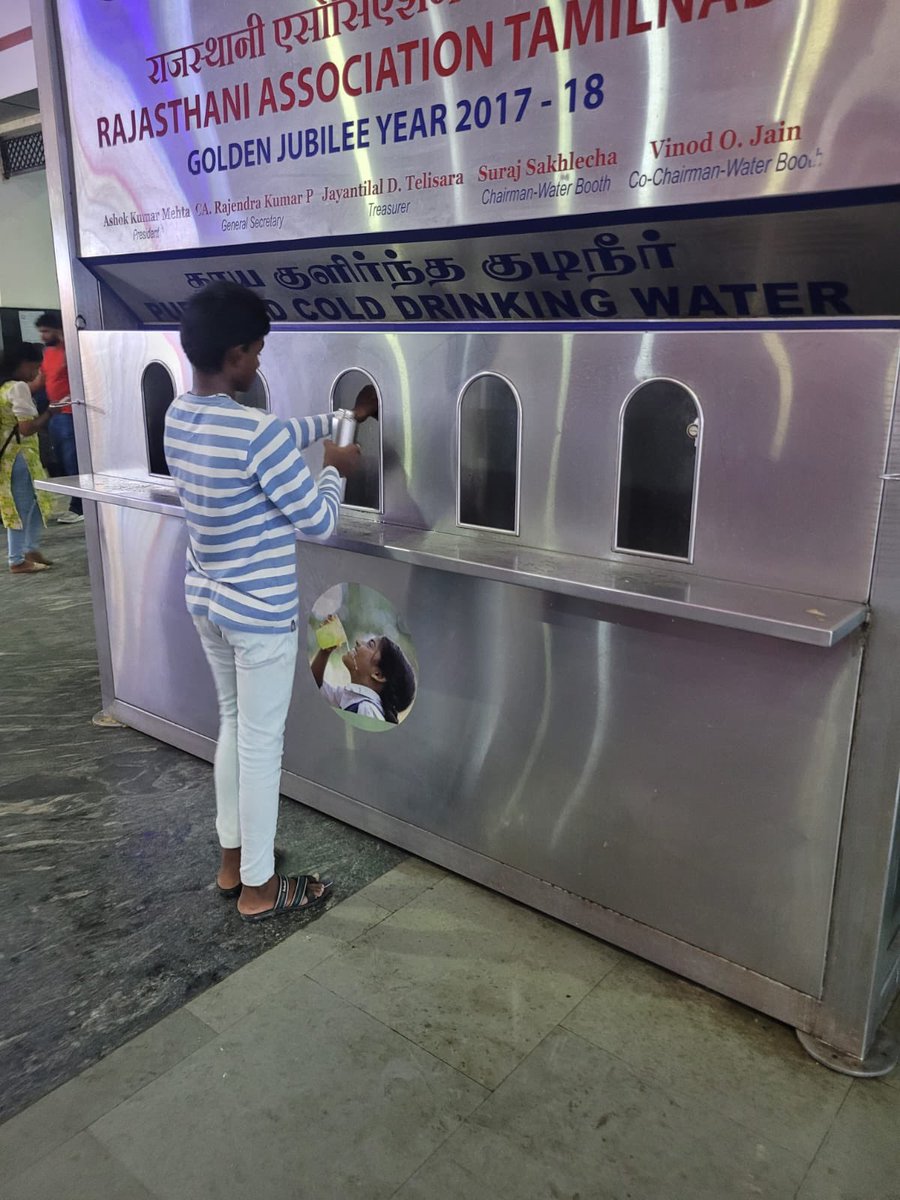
{"x":382,"y":683}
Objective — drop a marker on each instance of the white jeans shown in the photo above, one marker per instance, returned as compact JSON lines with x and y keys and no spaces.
{"x":254,"y":677}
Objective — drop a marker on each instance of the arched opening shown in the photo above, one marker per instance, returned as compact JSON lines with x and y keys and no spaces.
{"x":489,"y":420}
{"x":157,"y":393}
{"x":364,"y":486}
{"x":659,"y":444}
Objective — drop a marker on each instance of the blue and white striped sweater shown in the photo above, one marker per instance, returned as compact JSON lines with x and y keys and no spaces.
{"x":246,"y":489}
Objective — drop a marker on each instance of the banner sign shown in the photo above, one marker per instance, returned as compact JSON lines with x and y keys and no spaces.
{"x":827,"y":263}
{"x":202,"y":124}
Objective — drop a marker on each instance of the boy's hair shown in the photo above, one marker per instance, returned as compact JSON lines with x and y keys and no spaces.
{"x":222,"y":316}
{"x":399,"y":688}
{"x":51,"y":319}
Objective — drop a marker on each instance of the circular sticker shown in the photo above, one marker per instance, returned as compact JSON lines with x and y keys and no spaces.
{"x":361,"y":657}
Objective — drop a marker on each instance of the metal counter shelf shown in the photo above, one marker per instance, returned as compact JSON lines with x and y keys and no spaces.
{"x":813,"y":620}
{"x":113,"y":489}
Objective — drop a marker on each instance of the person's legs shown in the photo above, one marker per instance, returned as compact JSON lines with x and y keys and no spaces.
{"x":265,"y":680}
{"x":26,"y":504}
{"x":33,"y":526}
{"x":14,"y":551}
{"x":62,"y":431}
{"x":220,"y":656}
{"x":254,"y":677}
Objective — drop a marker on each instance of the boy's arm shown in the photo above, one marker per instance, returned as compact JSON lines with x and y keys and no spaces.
{"x":274,"y":460}
{"x":306,"y":430}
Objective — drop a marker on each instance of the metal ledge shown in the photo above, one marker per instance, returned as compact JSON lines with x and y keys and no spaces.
{"x":793,"y":617}
{"x":112,"y":489}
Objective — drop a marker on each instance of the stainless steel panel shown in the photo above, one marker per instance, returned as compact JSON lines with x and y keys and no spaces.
{"x":113,"y":365}
{"x":78,"y":290}
{"x":812,"y":620}
{"x":787,"y":494}
{"x":156,"y":657}
{"x":129,"y":493}
{"x":689,"y":778}
{"x":795,"y":428}
{"x":790,"y":615}
{"x":863,"y":975}
{"x":538,"y":739}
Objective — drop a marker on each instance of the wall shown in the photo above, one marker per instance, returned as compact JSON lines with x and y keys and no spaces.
{"x":27,"y":271}
{"x":17,"y":71}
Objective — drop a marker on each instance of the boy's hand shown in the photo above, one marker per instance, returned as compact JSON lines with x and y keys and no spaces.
{"x":345,"y":459}
{"x":366,"y":403}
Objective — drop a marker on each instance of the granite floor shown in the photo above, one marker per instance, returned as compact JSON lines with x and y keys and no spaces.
{"x":108,"y":915}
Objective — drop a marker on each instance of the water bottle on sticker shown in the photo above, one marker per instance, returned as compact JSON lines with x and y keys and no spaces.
{"x":330,"y":634}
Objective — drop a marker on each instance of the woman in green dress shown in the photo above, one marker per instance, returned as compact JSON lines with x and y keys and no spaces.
{"x":23,"y":511}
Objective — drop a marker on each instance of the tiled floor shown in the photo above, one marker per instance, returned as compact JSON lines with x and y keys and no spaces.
{"x":429,"y":1040}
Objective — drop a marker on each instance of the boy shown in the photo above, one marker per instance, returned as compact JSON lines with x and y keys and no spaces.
{"x":245,"y":490}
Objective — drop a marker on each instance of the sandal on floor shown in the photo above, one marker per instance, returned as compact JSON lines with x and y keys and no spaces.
{"x":27,"y":568}
{"x":230,"y":893}
{"x":299,"y":903}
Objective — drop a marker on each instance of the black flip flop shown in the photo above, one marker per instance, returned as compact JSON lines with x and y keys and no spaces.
{"x":281,"y":904}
